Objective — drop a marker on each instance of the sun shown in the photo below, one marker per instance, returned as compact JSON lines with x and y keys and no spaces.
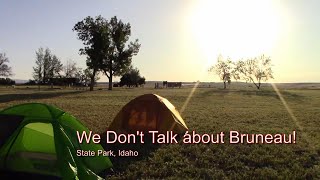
{"x":237,"y":29}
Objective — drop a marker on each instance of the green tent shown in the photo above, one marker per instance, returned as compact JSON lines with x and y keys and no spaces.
{"x":41,"y":139}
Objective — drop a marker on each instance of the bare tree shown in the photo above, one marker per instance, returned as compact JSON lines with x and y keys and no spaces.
{"x":5,"y":69}
{"x":255,"y":70}
{"x":47,"y":66}
{"x":70,"y":69}
{"x":223,"y":69}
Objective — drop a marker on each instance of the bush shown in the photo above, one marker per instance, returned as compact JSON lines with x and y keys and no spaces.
{"x":31,"y":82}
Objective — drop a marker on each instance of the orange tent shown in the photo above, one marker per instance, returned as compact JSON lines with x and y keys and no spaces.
{"x":149,"y":112}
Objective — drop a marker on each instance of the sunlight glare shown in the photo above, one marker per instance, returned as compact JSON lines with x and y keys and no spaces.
{"x":237,"y":29}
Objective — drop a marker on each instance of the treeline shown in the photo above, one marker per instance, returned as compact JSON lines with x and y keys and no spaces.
{"x":108,"y":52}
{"x":7,"y":81}
{"x":255,"y":70}
{"x":49,"y":70}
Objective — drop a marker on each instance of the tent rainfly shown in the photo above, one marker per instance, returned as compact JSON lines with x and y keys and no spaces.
{"x":41,"y":139}
{"x":149,"y":112}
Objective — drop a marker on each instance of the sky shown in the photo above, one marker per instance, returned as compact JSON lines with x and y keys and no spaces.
{"x":180,"y":39}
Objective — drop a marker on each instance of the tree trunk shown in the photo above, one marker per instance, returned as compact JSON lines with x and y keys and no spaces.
{"x":258,"y":86}
{"x":91,"y":83}
{"x":224,"y":85}
{"x":44,"y":77}
{"x":110,"y":76}
{"x":110,"y":83}
{"x":92,"y":80}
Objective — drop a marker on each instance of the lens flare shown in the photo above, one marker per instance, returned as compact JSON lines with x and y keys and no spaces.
{"x":189,"y":97}
{"x":293,"y":117}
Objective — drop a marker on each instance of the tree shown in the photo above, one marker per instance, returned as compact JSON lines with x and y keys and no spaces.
{"x":55,"y":67}
{"x":95,"y":36}
{"x":106,"y":45}
{"x":5,"y":69}
{"x":38,"y":69}
{"x":47,"y":66}
{"x":255,"y":70}
{"x":119,"y":52}
{"x":125,"y":80}
{"x":71,"y":69}
{"x":142,"y":81}
{"x":132,"y":78}
{"x":223,"y":69}
{"x":86,"y":77}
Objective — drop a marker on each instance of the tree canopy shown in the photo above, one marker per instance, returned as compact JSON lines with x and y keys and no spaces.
{"x":120,"y":52}
{"x":93,"y":33}
{"x":106,"y":45}
{"x":255,"y":70}
{"x":132,"y":78}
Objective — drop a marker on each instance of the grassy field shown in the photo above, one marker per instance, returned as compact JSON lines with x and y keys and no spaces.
{"x":210,"y":110}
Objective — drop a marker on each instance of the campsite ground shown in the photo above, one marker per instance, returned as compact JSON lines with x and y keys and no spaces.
{"x":210,"y":110}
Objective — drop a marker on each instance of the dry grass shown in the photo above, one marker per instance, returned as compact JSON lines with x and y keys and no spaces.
{"x":210,"y":110}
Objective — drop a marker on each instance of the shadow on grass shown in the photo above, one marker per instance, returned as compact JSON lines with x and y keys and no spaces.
{"x":265,"y":93}
{"x":218,"y":91}
{"x":4,"y":98}
{"x":268,"y":93}
{"x":121,"y":163}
